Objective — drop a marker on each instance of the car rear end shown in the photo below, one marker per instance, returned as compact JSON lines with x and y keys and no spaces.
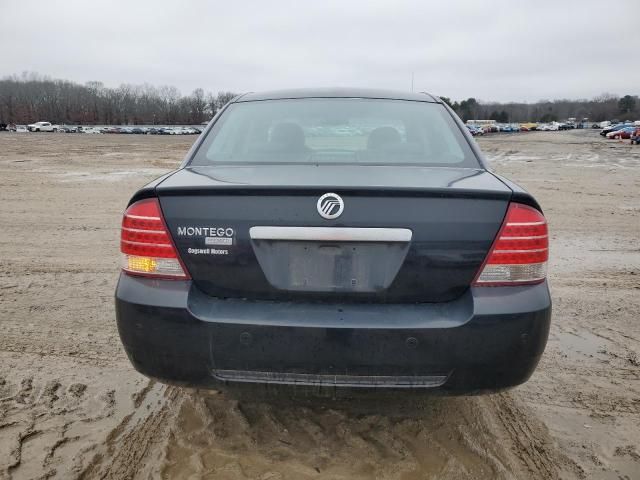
{"x":334,"y":270}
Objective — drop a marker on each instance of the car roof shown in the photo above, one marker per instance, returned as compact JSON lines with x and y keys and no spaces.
{"x":337,"y":93}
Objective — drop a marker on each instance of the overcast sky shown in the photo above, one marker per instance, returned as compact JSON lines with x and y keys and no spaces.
{"x":492,"y":50}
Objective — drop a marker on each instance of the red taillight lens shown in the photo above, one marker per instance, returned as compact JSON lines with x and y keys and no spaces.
{"x":520,"y":252}
{"x":146,"y":245}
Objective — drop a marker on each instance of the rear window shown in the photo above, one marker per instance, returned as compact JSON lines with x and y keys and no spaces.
{"x":336,"y":130}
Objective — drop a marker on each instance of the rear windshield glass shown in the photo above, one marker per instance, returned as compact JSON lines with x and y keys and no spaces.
{"x":336,"y":130}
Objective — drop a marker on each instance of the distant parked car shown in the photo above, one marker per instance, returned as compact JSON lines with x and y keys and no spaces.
{"x":475,"y":130}
{"x":115,"y":130}
{"x":92,"y":130}
{"x":619,"y":126}
{"x":40,"y":127}
{"x":621,"y":133}
{"x":21,"y":129}
{"x":137,"y":131}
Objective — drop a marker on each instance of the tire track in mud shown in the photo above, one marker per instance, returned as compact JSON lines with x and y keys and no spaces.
{"x":528,"y":439}
{"x":35,"y":418}
{"x":134,"y":438}
{"x":53,"y":427}
{"x":214,"y":435}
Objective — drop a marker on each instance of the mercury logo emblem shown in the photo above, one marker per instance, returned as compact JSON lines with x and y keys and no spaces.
{"x":330,"y":206}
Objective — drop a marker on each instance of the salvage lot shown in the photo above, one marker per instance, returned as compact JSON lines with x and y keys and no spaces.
{"x":71,"y":405}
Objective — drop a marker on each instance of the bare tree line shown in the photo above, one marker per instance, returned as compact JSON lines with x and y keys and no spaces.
{"x":31,"y":97}
{"x":604,"y":107}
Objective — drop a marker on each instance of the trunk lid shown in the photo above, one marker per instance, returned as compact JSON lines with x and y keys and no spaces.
{"x":407,"y":234}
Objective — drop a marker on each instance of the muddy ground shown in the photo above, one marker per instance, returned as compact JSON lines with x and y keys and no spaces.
{"x":71,"y":406}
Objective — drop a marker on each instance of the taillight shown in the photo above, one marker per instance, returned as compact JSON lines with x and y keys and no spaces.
{"x":520,"y":252}
{"x":145,"y":243}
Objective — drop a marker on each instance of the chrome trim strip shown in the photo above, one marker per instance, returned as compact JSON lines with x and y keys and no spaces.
{"x":524,"y":224}
{"x":535,"y":237}
{"x":141,"y":217}
{"x":157,"y":231}
{"x":533,"y":250}
{"x":362,"y":381}
{"x":337,"y":234}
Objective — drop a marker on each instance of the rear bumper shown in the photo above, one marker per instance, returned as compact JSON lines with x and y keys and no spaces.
{"x":489,"y":339}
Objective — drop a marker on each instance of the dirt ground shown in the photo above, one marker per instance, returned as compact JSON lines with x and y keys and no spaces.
{"x":71,"y":406}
